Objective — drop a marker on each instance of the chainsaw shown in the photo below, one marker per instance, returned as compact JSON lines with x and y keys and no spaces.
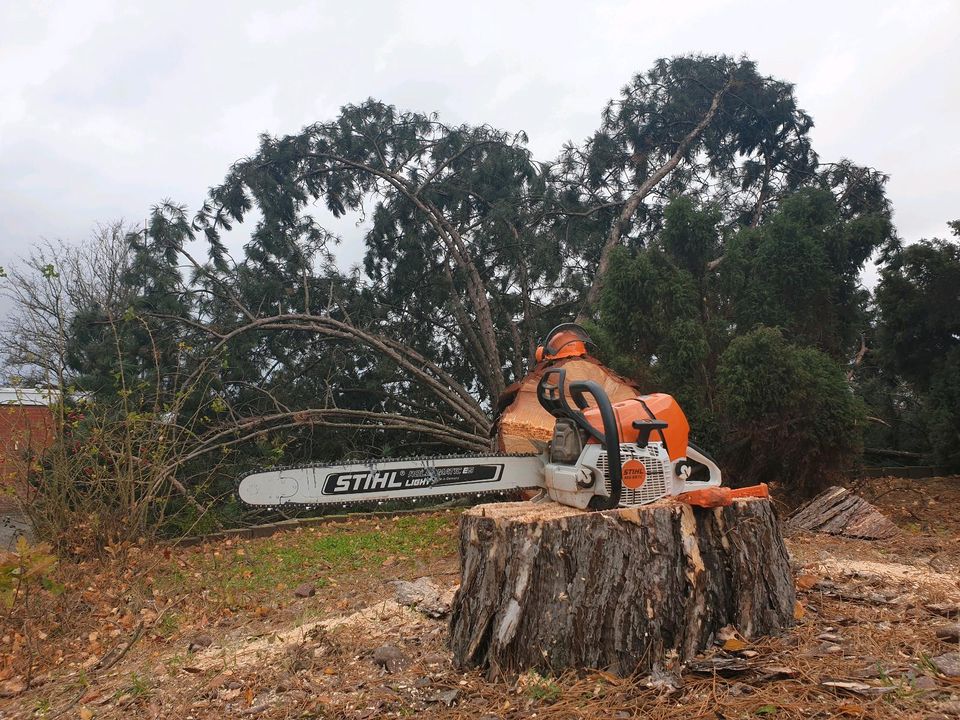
{"x":602,"y":455}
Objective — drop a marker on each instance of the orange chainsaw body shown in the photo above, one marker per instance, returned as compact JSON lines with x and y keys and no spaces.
{"x":644,"y":408}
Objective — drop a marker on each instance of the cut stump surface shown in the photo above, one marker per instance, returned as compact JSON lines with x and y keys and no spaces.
{"x":633,"y":590}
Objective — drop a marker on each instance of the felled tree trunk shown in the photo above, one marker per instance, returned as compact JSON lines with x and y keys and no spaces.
{"x":549,"y":587}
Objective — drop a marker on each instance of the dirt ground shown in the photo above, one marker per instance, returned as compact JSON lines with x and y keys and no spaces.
{"x":306,"y":625}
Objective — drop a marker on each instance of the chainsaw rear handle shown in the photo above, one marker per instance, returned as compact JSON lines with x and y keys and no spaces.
{"x":554,"y":400}
{"x":610,"y":439}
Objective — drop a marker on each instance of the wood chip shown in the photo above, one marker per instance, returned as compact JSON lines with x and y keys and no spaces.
{"x":857,"y":688}
{"x":946,"y":609}
{"x":950,"y":633}
{"x":947,"y":664}
{"x":305,"y":590}
{"x":722,"y":666}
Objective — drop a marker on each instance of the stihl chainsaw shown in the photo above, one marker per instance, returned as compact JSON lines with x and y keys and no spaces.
{"x":602,"y":455}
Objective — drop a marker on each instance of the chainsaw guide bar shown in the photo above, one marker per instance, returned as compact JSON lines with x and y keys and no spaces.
{"x":343,"y":484}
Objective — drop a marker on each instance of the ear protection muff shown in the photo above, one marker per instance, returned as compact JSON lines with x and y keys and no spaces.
{"x":565,"y":340}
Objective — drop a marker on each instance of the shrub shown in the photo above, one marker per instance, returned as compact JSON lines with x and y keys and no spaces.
{"x":788,"y":414}
{"x":25,"y":567}
{"x":107,"y":479}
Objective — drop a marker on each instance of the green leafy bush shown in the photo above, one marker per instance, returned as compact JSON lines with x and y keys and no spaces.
{"x":789,"y":415}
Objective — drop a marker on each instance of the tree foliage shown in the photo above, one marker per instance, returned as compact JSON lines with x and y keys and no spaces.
{"x":675,"y":314}
{"x":788,"y":412}
{"x":450,"y":216}
{"x":918,"y":339}
{"x":696,"y":231}
{"x":703,"y":125}
{"x":800,"y":271}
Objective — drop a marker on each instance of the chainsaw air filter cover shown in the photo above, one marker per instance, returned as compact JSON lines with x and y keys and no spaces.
{"x":567,"y":442}
{"x":657,"y":476}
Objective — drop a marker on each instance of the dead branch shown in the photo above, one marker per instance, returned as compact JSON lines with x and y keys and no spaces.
{"x":438,"y":381}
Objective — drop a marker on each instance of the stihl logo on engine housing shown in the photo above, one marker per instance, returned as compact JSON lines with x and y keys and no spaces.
{"x":633,"y":474}
{"x":408,"y":478}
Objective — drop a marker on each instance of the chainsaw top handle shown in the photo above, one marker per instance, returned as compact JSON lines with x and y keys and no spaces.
{"x":553,"y":399}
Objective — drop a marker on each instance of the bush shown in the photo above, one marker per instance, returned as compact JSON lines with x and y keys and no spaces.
{"x":106,"y":480}
{"x":25,"y":567}
{"x":788,"y":414}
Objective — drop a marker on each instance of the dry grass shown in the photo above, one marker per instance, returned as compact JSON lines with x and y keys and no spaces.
{"x":225,"y":636}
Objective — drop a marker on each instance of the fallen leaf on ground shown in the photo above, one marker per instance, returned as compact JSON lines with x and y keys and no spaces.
{"x":852,"y":709}
{"x":734,"y":644}
{"x":807,"y":581}
{"x":12,"y":688}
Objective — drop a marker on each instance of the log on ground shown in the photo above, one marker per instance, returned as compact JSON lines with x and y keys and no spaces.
{"x":633,"y":590}
{"x":837,"y":511}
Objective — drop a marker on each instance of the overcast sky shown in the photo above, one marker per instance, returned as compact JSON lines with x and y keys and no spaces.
{"x":108,"y":107}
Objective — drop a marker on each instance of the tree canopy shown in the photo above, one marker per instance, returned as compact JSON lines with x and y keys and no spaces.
{"x":697,"y":232}
{"x":918,"y":341}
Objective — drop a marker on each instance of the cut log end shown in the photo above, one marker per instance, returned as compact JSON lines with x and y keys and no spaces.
{"x":549,"y":587}
{"x":837,"y":511}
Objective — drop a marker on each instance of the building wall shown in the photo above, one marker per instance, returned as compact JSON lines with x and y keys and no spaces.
{"x":25,"y":431}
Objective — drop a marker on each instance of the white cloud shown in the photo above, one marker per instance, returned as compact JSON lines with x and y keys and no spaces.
{"x":278,"y":24}
{"x":108,"y":107}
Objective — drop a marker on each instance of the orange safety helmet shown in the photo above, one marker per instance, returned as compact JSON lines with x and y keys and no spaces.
{"x":565,"y":340}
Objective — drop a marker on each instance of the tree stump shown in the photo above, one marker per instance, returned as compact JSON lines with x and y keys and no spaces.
{"x":548,"y":587}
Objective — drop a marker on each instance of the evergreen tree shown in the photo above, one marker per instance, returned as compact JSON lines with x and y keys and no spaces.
{"x":788,"y":413}
{"x":669,"y":319}
{"x":918,"y":337}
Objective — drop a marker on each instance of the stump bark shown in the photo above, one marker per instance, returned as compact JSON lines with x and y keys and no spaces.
{"x":633,"y":590}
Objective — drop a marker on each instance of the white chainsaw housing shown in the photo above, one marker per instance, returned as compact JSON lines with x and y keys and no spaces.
{"x":575,"y":485}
